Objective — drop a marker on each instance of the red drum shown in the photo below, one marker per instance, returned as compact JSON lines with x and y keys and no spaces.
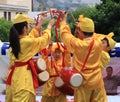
{"x":69,"y":77}
{"x":72,"y":76}
{"x":43,"y":77}
{"x":39,"y":64}
{"x":63,"y":87}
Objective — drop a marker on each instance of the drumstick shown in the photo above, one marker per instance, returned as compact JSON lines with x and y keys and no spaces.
{"x":50,"y":12}
{"x":42,"y":13}
{"x":72,"y":16}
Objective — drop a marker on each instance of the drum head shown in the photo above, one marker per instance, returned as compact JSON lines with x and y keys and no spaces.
{"x":63,"y":87}
{"x":59,"y":82}
{"x":76,"y":80}
{"x":41,"y":64}
{"x":43,"y":76}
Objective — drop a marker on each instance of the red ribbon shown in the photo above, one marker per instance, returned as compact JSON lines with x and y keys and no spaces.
{"x":34,"y":73}
{"x":36,"y":20}
{"x":59,"y":13}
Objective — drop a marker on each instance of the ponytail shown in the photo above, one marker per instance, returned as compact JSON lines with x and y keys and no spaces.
{"x":15,"y":31}
{"x":14,"y":41}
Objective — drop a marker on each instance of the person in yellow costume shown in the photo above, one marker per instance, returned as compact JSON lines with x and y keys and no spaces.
{"x":92,"y":88}
{"x":23,"y":46}
{"x":50,"y":93}
{"x":108,"y":45}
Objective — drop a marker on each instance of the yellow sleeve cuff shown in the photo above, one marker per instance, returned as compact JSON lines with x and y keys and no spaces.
{"x":63,"y":23}
{"x":48,"y":31}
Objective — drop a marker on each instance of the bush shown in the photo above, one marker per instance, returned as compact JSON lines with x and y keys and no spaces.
{"x":4,"y":30}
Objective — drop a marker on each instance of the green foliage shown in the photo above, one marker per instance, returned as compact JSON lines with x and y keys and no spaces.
{"x":53,"y":36}
{"x":107,"y":1}
{"x":4,"y":29}
{"x":86,"y":11}
{"x":105,"y":15}
{"x":107,"y":19}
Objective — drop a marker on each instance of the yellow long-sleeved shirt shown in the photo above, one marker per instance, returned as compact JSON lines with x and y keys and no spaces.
{"x":92,"y":77}
{"x":49,"y":87}
{"x":29,"y":45}
{"x":105,"y":57}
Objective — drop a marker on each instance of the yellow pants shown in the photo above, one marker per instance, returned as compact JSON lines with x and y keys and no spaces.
{"x":21,"y":96}
{"x":60,"y":98}
{"x":85,"y":95}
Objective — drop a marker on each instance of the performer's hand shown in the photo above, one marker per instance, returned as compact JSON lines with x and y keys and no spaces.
{"x":76,"y":24}
{"x":50,"y":44}
{"x":51,"y":23}
{"x":42,"y":18}
{"x":64,"y":16}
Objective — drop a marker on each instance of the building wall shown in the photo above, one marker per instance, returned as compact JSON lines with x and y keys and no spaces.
{"x":9,"y":11}
{"x":1,"y":14}
{"x":11,"y":7}
{"x":3,"y":1}
{"x":12,"y":14}
{"x":27,"y":3}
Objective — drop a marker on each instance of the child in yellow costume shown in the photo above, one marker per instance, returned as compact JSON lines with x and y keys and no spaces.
{"x":23,"y":46}
{"x":108,"y":45}
{"x":92,"y":88}
{"x":50,"y":93}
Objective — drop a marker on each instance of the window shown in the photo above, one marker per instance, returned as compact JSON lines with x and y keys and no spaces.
{"x":5,"y":15}
{"x":9,"y":16}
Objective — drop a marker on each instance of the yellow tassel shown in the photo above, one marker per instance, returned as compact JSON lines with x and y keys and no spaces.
{"x":110,"y":35}
{"x":80,"y":18}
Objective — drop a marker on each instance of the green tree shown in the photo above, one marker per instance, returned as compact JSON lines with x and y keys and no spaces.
{"x":106,"y":1}
{"x":4,"y":29}
{"x":107,"y":19}
{"x":105,"y":15}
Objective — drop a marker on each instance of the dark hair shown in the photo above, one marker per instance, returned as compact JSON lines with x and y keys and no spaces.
{"x":106,"y":41}
{"x":108,"y":45}
{"x":109,"y":67}
{"x":15,"y":31}
{"x":58,"y":49}
{"x":89,"y":34}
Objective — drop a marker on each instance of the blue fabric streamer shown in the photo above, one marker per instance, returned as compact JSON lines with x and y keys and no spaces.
{"x":4,"y":47}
